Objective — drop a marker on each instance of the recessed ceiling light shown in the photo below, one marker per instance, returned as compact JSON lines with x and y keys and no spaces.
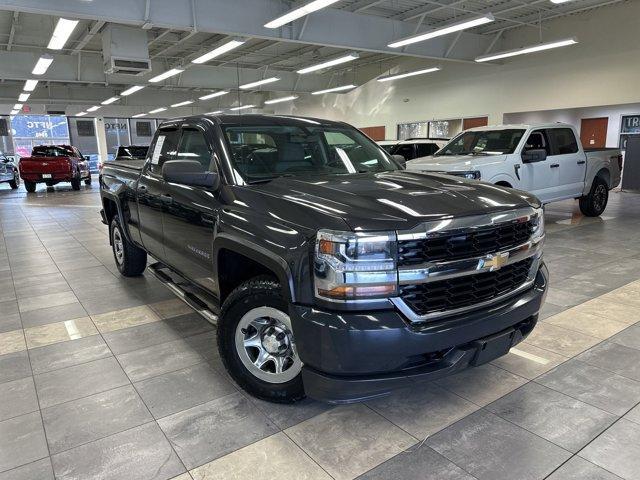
{"x":182,"y":104}
{"x":221,"y":50}
{"x":109,"y":101}
{"x":167,"y":74}
{"x":30,"y":85}
{"x":23,"y":97}
{"x":138,"y":115}
{"x":530,"y":49}
{"x":93,"y":109}
{"x":330,"y":63}
{"x":158,"y":110}
{"x":14,"y":112}
{"x":214,"y":95}
{"x":398,"y":76}
{"x":242,"y":107}
{"x":438,"y":32}
{"x":280,"y":100}
{"x":42,"y":65}
{"x":81,"y":114}
{"x":62,"y":32}
{"x":131,"y":90}
{"x":334,"y":89}
{"x":258,"y":83}
{"x":299,"y":12}
{"x":17,"y":106}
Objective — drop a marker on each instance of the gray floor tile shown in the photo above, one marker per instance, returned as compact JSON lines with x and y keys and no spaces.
{"x":158,"y":359}
{"x":211,"y":430}
{"x":565,"y":421}
{"x":595,"y":386}
{"x":578,"y":468}
{"x":43,"y":316}
{"x":205,"y":344}
{"x":139,"y":453}
{"x":67,"y":354}
{"x":10,"y":321}
{"x":79,"y":381}
{"x":287,"y":415}
{"x":38,"y":470}
{"x":17,"y":398}
{"x":634,"y":414}
{"x":22,"y":441}
{"x":91,"y":418}
{"x":417,"y":463}
{"x":616,"y":358}
{"x":617,"y":450}
{"x":490,"y":448}
{"x":14,"y":365}
{"x":175,"y":391}
{"x":629,"y":337}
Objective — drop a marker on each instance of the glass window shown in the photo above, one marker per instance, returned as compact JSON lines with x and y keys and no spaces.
{"x":426,"y":149}
{"x":117,"y":133}
{"x":193,"y":146}
{"x":83,"y":136}
{"x":141,"y":130}
{"x":406,"y":150}
{"x":413,"y":130}
{"x":483,"y":142}
{"x":563,"y":141}
{"x":538,"y":140}
{"x":164,"y":148}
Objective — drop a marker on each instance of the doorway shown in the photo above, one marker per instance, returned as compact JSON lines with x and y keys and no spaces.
{"x":474,"y":122}
{"x":593,"y":132}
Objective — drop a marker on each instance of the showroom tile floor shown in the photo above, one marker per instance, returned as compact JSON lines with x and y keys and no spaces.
{"x":103,"y":377}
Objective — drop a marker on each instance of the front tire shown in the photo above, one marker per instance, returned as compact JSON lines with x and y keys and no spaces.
{"x":75,"y":183}
{"x":87,"y":180}
{"x":130,"y":259}
{"x":30,"y":186}
{"x":595,"y":202}
{"x":256,"y":343}
{"x":15,"y":183}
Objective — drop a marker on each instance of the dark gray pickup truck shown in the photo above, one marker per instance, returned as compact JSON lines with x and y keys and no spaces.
{"x":328,"y":269}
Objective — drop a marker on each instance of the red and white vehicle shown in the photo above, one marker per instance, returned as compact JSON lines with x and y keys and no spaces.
{"x":52,"y":164}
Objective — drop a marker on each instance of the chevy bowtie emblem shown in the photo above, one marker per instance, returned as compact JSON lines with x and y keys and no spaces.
{"x":497,"y":261}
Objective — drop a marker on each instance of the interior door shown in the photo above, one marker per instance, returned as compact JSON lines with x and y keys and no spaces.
{"x":474,"y":122}
{"x":593,"y":132}
{"x":573,"y":163}
{"x":540,"y":178}
{"x":190,"y":215}
{"x":152,"y":191}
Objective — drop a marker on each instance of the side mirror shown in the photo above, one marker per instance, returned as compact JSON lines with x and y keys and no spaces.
{"x":534,"y":155}
{"x":400,"y":160}
{"x":189,"y":172}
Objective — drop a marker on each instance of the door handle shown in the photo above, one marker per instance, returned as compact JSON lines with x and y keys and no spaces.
{"x":166,"y":198}
{"x":581,"y":162}
{"x":554,"y":165}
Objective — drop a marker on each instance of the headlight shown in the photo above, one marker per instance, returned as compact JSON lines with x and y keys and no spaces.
{"x":538,"y":224}
{"x":351,"y":266}
{"x":471,"y":175}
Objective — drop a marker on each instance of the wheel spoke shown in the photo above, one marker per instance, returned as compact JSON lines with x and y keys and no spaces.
{"x":279,"y":364}
{"x":253,"y":341}
{"x":263,"y":357}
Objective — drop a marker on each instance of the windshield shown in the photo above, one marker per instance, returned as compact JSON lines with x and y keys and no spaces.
{"x":133,"y":152}
{"x":52,"y":151}
{"x":262,"y":153}
{"x":484,"y":142}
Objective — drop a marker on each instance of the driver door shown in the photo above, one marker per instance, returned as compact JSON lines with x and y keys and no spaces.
{"x":539,"y":178}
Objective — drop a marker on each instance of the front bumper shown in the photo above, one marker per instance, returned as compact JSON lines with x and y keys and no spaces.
{"x":353,"y":356}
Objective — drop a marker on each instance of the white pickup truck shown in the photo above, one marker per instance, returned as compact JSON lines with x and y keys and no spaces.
{"x":546,"y":160}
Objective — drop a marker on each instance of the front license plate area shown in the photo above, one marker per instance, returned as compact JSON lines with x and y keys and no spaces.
{"x":495,"y":346}
{"x":46,"y":175}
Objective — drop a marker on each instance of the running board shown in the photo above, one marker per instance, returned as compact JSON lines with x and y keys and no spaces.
{"x":186,"y":292}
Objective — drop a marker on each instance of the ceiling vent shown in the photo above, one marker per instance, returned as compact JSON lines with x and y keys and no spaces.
{"x":125,"y":50}
{"x":127,"y":66}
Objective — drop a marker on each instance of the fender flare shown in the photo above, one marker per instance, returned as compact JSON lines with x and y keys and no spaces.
{"x":259,"y":254}
{"x":119,"y":211}
{"x":502,"y":177}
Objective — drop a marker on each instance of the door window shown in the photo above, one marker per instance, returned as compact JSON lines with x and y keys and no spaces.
{"x":563,"y":141}
{"x":537,"y":141}
{"x":193,"y":146}
{"x":426,"y":149}
{"x":164,"y":148}
{"x":406,"y":150}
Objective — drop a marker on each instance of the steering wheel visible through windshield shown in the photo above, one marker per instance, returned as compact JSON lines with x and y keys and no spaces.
{"x":483,"y":142}
{"x":262,"y":153}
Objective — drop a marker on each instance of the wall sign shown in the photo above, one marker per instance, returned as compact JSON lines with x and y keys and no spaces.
{"x":630,"y":124}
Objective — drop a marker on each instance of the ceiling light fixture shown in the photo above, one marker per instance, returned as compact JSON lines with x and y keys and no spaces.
{"x":299,"y":12}
{"x":94,"y":108}
{"x":221,"y":50}
{"x":109,"y":101}
{"x":42,"y":65}
{"x":23,"y":97}
{"x":217,"y":112}
{"x":182,"y":104}
{"x":158,"y":110}
{"x":242,"y":107}
{"x":258,"y":83}
{"x":81,"y":114}
{"x":397,"y":76}
{"x":337,"y":61}
{"x":167,"y":74}
{"x":30,"y":85}
{"x":560,"y":1}
{"x":438,"y":32}
{"x":334,"y":89}
{"x":524,"y":50}
{"x":14,"y":112}
{"x":138,"y":115}
{"x":131,"y":90}
{"x":17,"y":106}
{"x":280,"y":100}
{"x":62,"y":32}
{"x":214,"y":95}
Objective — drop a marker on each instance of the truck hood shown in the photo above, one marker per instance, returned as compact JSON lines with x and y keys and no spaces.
{"x":454,"y":163}
{"x":382,"y":201}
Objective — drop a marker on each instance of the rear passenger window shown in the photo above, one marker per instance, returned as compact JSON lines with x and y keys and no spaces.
{"x":164,"y":148}
{"x":193,"y":146}
{"x":563,"y":141}
{"x":406,"y":151}
{"x":426,"y":149}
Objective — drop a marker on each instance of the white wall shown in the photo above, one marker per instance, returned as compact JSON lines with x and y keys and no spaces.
{"x":603,"y":69}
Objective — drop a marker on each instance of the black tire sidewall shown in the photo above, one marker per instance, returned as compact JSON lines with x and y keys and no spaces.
{"x":587,"y":203}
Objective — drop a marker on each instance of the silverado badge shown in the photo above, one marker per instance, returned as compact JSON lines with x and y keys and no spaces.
{"x":497,"y":261}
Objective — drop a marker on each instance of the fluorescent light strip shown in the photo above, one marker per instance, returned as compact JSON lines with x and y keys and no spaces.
{"x":94,"y":108}
{"x":258,"y":83}
{"x":81,"y":114}
{"x":182,"y":104}
{"x":334,"y":89}
{"x":42,"y":65}
{"x":30,"y":85}
{"x":167,"y":74}
{"x":280,"y":100}
{"x":221,"y":50}
{"x":243,"y":107}
{"x":455,"y":27}
{"x":23,"y":97}
{"x":330,"y":63}
{"x":139,"y":115}
{"x":131,"y":90}
{"x":109,"y":101}
{"x":217,"y":112}
{"x":524,"y":50}
{"x":14,"y":112}
{"x":214,"y":95}
{"x":62,"y":32}
{"x":17,"y":106}
{"x":299,"y":12}
{"x":560,"y":1}
{"x":398,"y":76}
{"x":158,"y":110}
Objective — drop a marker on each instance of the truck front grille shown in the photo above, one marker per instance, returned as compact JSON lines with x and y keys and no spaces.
{"x":455,"y":246}
{"x":459,"y":292}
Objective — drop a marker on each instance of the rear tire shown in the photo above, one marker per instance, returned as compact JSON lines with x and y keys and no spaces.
{"x":130,"y":259}
{"x":15,"y":183}
{"x":30,"y":186}
{"x":254,"y":327}
{"x":87,"y":181}
{"x":594,"y":203}
{"x":75,"y":183}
